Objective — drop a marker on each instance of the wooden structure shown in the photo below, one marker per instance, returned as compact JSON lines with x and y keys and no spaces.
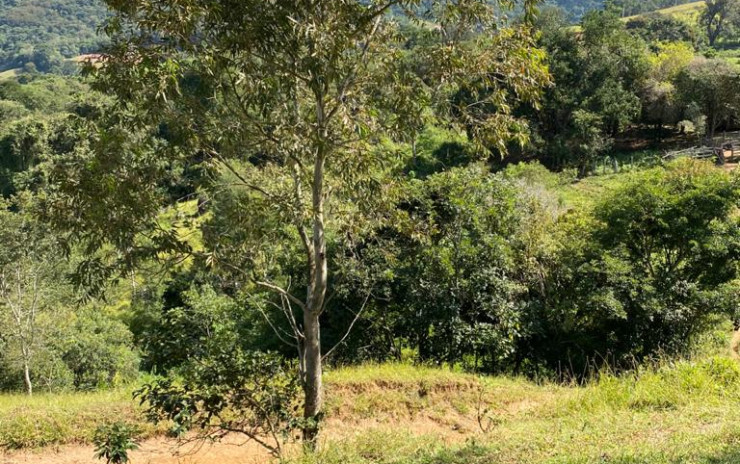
{"x":721,"y":151}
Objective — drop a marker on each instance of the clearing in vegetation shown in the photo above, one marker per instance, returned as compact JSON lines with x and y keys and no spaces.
{"x":685,"y":11}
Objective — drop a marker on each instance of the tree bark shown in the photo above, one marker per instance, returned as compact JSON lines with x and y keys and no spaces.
{"x":313,"y":388}
{"x":27,"y":378}
{"x":318,"y":282}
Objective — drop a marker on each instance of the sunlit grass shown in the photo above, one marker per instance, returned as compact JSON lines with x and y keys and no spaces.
{"x":395,"y":374}
{"x":45,"y":419}
{"x":666,"y":412}
{"x":687,"y":11}
{"x":9,"y":74}
{"x":673,"y":412}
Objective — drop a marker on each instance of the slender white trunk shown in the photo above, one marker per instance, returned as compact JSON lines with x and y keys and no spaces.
{"x":27,"y":377}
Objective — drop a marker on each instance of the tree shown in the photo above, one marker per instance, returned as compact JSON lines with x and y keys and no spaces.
{"x":669,"y":245}
{"x":288,"y":101}
{"x":594,"y":98}
{"x":640,"y":274}
{"x":659,"y":97}
{"x":23,"y":144}
{"x":712,"y":86}
{"x":658,"y":27}
{"x":715,"y":16}
{"x":28,"y":274}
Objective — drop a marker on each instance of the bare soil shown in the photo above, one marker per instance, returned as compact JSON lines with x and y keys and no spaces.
{"x":154,"y":451}
{"x":234,"y":450}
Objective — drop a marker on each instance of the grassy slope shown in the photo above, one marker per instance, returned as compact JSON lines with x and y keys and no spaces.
{"x":62,"y":418}
{"x":681,"y":412}
{"x":690,"y":12}
{"x":685,"y":11}
{"x":9,"y":74}
{"x":685,"y":412}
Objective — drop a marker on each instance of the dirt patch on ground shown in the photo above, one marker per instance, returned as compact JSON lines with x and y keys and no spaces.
{"x":155,"y":451}
{"x":234,"y":450}
{"x":439,"y":418}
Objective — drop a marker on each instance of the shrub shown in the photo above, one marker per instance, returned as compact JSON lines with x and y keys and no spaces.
{"x":113,"y":442}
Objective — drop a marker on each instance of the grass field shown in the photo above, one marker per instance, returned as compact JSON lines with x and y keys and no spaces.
{"x":674,"y":412}
{"x":9,"y":74}
{"x":48,"y":419}
{"x":684,"y":412}
{"x":731,"y":54}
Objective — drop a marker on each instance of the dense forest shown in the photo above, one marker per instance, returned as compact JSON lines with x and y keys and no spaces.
{"x":44,"y":32}
{"x":234,"y":199}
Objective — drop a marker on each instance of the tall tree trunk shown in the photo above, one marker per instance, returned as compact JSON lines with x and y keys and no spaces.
{"x":318,"y":282}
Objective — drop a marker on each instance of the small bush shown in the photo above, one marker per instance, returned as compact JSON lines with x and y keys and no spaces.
{"x":113,"y":442}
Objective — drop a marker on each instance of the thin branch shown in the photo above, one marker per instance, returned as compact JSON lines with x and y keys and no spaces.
{"x":283,"y":292}
{"x":233,"y":170}
{"x":275,"y":329}
{"x":351,"y":326}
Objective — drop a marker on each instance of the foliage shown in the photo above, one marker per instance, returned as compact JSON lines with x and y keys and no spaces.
{"x":659,"y":27}
{"x":643,"y":275}
{"x":716,"y":18}
{"x":346,"y":214}
{"x":114,"y":441}
{"x":231,"y":391}
{"x":457,"y":296}
{"x":31,"y":285}
{"x":98,"y":351}
{"x":661,"y":103}
{"x":594,"y":98}
{"x":45,"y":343}
{"x":711,"y":85}
{"x":306,"y":91}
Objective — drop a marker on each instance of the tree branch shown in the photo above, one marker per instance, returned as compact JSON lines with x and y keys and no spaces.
{"x":351,"y":326}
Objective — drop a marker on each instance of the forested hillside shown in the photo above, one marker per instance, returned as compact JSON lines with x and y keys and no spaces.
{"x":45,"y":31}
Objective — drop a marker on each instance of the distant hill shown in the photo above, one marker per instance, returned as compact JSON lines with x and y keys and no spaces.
{"x":577,"y":8}
{"x":45,"y":32}
{"x":687,"y":10}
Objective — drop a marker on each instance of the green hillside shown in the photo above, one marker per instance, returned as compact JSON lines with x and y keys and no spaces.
{"x":627,"y":8}
{"x":46,"y":31}
{"x":687,"y":11}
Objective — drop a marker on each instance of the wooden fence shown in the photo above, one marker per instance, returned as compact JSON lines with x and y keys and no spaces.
{"x":716,"y":149}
